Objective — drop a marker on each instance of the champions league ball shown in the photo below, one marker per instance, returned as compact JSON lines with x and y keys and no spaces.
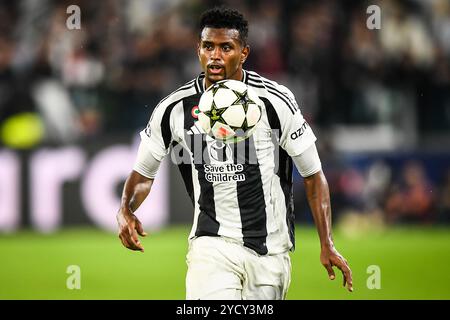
{"x":229,"y":111}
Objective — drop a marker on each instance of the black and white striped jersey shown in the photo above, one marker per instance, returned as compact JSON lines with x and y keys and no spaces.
{"x":244,"y":190}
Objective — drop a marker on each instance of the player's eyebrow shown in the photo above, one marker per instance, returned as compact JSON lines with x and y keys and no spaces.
{"x":230,"y":43}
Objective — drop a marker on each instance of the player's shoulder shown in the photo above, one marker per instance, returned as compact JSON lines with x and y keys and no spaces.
{"x":272,"y":88}
{"x":257,"y":78}
{"x":190,"y":88}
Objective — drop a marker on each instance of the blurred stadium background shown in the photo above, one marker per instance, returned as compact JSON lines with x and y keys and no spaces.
{"x":73,"y":101}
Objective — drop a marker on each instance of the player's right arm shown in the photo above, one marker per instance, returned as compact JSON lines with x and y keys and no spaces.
{"x":152,"y":149}
{"x":135,"y":190}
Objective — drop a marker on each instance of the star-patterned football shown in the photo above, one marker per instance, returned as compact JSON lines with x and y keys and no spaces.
{"x":229,"y":111}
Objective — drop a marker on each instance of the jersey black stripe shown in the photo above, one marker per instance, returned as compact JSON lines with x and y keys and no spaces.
{"x":260,"y":84}
{"x":197,"y":87}
{"x":272,"y":116}
{"x":199,"y":83}
{"x":207,"y":225}
{"x":185,"y":171}
{"x":252,"y":206}
{"x":245,"y":77}
{"x":284,"y":171}
{"x":165,"y":124}
{"x":188,"y":104}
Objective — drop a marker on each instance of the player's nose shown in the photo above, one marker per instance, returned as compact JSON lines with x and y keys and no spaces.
{"x":216,"y":54}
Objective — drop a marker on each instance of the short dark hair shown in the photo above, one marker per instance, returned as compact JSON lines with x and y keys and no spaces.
{"x":223,"y":17}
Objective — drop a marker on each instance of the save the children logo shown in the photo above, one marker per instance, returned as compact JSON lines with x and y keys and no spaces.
{"x":220,"y":151}
{"x":225,"y":170}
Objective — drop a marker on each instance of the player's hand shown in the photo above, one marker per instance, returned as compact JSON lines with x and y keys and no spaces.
{"x":330,"y":257}
{"x":129,"y":228}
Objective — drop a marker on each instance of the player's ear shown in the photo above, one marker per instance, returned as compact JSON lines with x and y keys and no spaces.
{"x":198,"y":50}
{"x":244,"y":54}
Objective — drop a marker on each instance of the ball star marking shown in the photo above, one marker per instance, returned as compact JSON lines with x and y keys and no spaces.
{"x":215,"y":114}
{"x":217,"y":86}
{"x":243,"y":99}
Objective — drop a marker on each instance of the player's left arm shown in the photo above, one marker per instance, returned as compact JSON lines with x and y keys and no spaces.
{"x":318,"y":195}
{"x":298,"y":140}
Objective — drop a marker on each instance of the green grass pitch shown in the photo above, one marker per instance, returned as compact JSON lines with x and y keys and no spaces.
{"x":413,"y":264}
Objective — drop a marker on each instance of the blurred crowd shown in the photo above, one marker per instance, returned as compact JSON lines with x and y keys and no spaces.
{"x":108,"y":76}
{"x":404,"y":194}
{"x":385,"y":190}
{"x":105,"y":78}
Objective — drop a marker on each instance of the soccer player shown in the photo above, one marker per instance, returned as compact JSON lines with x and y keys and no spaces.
{"x":243,"y":228}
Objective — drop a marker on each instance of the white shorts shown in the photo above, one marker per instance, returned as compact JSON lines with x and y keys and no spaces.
{"x":222,"y":269}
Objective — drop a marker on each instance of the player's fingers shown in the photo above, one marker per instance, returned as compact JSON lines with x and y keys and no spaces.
{"x":347,"y":274}
{"x":133,"y":234}
{"x":128,"y":243}
{"x":134,"y":239}
{"x":344,"y":279}
{"x":140,"y":229}
{"x":349,"y":280}
{"x":121,"y":240}
{"x":350,"y":285}
{"x":330,"y":271}
{"x":124,"y":241}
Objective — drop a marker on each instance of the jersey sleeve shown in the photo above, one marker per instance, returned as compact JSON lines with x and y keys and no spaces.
{"x":157,"y":135}
{"x":308,"y":162}
{"x":296,"y":134}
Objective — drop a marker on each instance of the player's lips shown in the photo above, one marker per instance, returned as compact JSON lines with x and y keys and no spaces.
{"x":215,"y":68}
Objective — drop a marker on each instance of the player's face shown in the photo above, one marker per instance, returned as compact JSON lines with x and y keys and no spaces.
{"x":221,"y":54}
